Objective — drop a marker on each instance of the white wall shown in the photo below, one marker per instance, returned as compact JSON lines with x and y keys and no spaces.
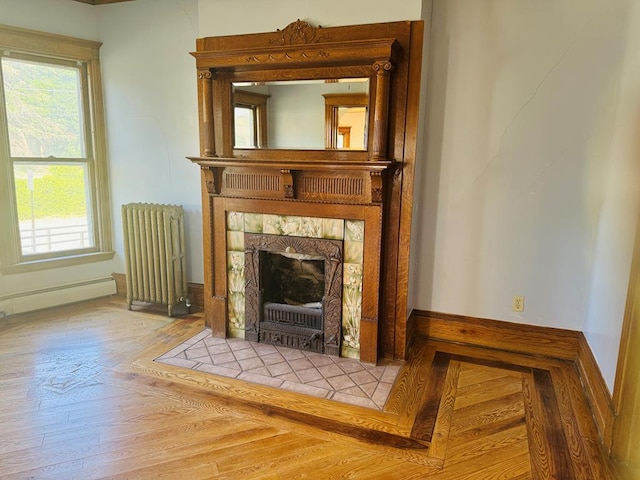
{"x":152,"y":114}
{"x":54,"y":16}
{"x":529,"y":183}
{"x":231,"y":17}
{"x":617,"y":221}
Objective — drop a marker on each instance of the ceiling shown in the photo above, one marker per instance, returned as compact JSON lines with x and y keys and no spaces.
{"x":102,"y":2}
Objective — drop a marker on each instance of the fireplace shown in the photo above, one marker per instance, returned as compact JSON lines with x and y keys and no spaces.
{"x":293,"y":292}
{"x":278,"y":198}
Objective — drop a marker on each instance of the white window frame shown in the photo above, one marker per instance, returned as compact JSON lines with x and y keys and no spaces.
{"x":57,"y":47}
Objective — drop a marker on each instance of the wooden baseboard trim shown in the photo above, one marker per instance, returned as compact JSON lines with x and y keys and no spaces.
{"x":195,"y":291}
{"x":513,"y":337}
{"x":595,"y":387}
{"x":121,"y":284}
{"x":196,"y":294}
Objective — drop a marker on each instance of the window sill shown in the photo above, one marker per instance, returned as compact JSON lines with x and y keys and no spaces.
{"x":58,"y":262}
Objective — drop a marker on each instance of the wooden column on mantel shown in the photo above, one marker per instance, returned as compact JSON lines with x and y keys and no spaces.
{"x":374,"y":185}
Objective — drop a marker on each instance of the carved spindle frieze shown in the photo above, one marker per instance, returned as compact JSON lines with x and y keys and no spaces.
{"x":205,"y":77}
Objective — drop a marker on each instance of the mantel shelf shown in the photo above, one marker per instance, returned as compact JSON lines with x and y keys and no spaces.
{"x":308,"y":165}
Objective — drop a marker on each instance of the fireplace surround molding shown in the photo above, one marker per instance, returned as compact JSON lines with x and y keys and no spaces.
{"x":370,"y":188}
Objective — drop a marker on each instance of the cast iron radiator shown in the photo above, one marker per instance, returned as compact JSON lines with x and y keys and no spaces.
{"x":155,"y":258}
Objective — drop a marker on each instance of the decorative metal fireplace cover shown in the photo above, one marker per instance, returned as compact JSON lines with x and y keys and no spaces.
{"x":330,"y":250}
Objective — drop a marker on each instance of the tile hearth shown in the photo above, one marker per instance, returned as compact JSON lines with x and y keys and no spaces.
{"x":335,"y":378}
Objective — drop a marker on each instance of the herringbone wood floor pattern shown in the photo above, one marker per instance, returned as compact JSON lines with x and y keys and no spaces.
{"x":83,"y":399}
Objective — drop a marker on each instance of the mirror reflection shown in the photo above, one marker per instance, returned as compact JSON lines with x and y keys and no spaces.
{"x":302,"y":114}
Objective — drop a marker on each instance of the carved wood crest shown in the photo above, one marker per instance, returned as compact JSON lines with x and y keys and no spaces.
{"x":298,"y":33}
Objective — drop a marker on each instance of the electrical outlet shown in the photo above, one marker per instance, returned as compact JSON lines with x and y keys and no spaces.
{"x":517,"y":303}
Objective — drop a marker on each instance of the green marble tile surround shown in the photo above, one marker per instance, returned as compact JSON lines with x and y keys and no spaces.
{"x":351,"y":232}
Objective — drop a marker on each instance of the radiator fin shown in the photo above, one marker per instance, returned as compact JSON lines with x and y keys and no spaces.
{"x":155,"y":259}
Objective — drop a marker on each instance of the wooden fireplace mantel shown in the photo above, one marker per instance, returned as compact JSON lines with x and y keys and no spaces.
{"x":361,"y":182}
{"x":373,"y":185}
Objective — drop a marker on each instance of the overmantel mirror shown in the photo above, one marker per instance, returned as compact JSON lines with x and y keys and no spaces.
{"x":302,"y":114}
{"x":281,"y":99}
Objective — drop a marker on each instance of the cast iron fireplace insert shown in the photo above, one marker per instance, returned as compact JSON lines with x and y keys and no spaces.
{"x":293,"y":292}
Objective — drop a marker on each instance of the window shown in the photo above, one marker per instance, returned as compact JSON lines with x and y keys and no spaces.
{"x":250,"y":119}
{"x":53,"y":188}
{"x":346,"y":117}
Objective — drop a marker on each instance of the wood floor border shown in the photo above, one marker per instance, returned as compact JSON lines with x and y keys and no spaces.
{"x":560,"y":461}
{"x":545,"y":423}
{"x":529,"y":340}
{"x":425,"y":420}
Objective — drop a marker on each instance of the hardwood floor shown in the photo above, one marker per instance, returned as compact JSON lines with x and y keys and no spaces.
{"x":82,"y":398}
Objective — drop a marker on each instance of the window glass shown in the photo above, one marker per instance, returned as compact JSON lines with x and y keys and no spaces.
{"x":44,"y":113}
{"x":53,"y":203}
{"x":245,"y":127}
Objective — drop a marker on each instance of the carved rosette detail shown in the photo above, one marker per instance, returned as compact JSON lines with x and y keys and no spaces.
{"x":288,"y":191}
{"x":298,"y":33}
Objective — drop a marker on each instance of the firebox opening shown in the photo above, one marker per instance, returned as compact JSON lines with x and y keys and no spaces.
{"x":293,"y":290}
{"x":293,"y":279}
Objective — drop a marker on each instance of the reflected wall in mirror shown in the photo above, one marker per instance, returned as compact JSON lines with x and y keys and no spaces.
{"x":292,"y":114}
